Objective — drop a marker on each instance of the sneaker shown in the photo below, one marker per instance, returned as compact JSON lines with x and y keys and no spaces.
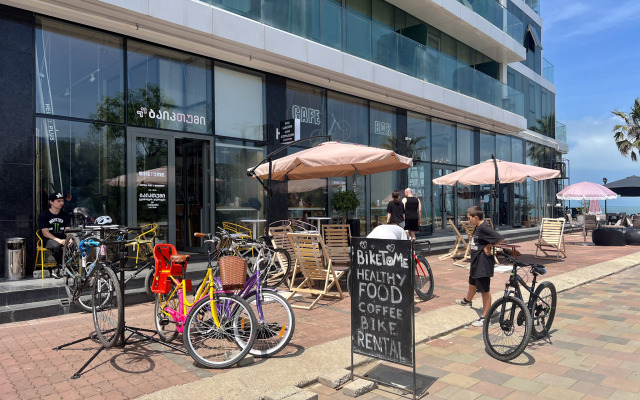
{"x":56,"y":273}
{"x":479,"y":322}
{"x":463,"y":302}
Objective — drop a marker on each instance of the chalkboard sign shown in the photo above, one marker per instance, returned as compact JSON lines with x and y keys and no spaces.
{"x":382,"y":299}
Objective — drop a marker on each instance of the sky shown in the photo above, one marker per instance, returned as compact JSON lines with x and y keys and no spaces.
{"x":594,"y":47}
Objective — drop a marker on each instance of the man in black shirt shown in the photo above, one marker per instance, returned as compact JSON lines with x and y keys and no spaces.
{"x":52,"y":223}
{"x":482,"y":261}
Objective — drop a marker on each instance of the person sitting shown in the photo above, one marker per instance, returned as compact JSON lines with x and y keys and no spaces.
{"x":52,"y":223}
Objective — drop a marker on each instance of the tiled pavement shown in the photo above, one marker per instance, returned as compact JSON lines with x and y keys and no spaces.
{"x":31,"y":369}
{"x":594,"y":354}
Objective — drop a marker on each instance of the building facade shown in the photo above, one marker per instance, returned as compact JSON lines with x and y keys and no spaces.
{"x":152,"y":111}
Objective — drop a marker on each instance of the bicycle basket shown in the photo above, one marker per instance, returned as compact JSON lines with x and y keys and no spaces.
{"x":233,"y":272}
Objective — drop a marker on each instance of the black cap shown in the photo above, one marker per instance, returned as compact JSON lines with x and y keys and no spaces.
{"x":55,"y":196}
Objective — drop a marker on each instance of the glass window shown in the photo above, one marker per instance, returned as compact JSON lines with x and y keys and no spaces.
{"x":237,"y":197}
{"x":503,"y":147}
{"x":168,"y":89}
{"x":466,"y":146}
{"x":84,"y":160}
{"x":347,"y":118}
{"x":487,"y":146}
{"x":383,"y":125}
{"x":79,"y":72}
{"x":419,"y":131}
{"x":361,"y":6}
{"x":240,"y":103}
{"x":358,"y":39}
{"x":517,"y":150}
{"x":308,"y":104}
{"x":443,"y":141}
{"x":383,"y":13}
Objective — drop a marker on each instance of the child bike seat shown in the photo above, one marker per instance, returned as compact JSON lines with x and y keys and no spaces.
{"x":168,"y":263}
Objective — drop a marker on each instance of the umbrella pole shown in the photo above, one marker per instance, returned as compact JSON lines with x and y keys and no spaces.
{"x":494,"y":203}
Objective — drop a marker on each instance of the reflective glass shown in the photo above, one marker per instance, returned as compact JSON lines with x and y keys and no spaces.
{"x":358,"y":35}
{"x":308,"y":104}
{"x":443,"y":141}
{"x":487,"y":146}
{"x":84,"y":160}
{"x":503,"y":147}
{"x":169,"y":89}
{"x":383,"y":123}
{"x":419,"y":131}
{"x":237,"y":196}
{"x":79,"y":72}
{"x":347,"y":118}
{"x":466,"y":146}
{"x":240,"y":103}
{"x":517,"y":150}
{"x":385,"y":46}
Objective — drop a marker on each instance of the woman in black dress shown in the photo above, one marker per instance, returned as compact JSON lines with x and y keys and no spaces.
{"x":413,"y":212}
{"x":395,"y":210}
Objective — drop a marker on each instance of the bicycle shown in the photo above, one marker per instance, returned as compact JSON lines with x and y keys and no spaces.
{"x":218,"y":329}
{"x":510,"y":323}
{"x":275,"y":317}
{"x":423,"y":282}
{"x":107,"y":304}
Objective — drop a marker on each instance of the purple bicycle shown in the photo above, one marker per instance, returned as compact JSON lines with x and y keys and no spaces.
{"x":275,"y":319}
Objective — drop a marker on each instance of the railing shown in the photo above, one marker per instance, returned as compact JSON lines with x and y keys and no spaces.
{"x":494,"y":12}
{"x":534,"y":4}
{"x":547,"y":70}
{"x":561,"y":132}
{"x":327,"y":23}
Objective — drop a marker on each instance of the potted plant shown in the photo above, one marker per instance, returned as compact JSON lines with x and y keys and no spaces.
{"x":344,"y":202}
{"x":526,"y":208}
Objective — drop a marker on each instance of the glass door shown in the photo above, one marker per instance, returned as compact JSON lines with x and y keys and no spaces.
{"x":192,"y":191}
{"x":150,"y":183}
{"x":443,"y":200}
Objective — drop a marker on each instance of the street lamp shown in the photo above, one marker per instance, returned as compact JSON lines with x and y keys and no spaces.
{"x":605,"y":200}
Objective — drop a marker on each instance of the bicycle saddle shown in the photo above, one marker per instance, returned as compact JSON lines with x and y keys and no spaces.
{"x":180,"y":258}
{"x":538,"y":269}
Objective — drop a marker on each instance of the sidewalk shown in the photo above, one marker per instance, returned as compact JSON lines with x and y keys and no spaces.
{"x":320,"y":343}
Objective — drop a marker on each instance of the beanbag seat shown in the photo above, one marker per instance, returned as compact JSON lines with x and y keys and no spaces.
{"x":608,"y":237}
{"x":632,"y":236}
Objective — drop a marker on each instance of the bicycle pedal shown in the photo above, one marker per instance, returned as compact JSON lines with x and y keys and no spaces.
{"x":65,"y":302}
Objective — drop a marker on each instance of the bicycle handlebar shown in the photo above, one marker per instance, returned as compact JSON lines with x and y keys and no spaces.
{"x":535,"y":268}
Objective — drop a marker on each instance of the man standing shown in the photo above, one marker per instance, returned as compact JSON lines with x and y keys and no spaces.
{"x":52,"y":223}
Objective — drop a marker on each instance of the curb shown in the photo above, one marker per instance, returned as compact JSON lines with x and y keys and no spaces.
{"x":255,"y":381}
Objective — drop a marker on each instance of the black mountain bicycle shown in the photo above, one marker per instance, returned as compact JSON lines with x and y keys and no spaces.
{"x":510,"y":323}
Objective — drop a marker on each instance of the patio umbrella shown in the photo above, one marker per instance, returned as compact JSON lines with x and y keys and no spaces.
{"x":586,"y":191}
{"x":485,"y":174}
{"x":331,"y":159}
{"x":594,"y":207}
{"x":629,"y":186}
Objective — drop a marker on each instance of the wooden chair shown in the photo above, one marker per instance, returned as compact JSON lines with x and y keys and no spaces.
{"x":315,"y":265}
{"x":41,"y":255}
{"x":337,"y":239}
{"x":590,"y":223}
{"x":551,"y":237}
{"x":280,"y":240}
{"x":455,"y":249}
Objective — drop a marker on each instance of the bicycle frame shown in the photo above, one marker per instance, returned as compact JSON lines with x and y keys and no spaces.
{"x":515,"y":281}
{"x":184,"y":307}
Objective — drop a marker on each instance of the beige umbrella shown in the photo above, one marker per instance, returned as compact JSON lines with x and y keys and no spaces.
{"x":331,"y":159}
{"x":307,"y":185}
{"x":485,"y":174}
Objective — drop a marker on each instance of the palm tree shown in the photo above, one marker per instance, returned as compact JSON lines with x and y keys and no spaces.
{"x":627,"y":136}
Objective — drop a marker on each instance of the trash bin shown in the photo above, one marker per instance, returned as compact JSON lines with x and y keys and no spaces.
{"x":15,"y":258}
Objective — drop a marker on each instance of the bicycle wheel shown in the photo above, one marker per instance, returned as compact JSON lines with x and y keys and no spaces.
{"x":544,"y":309}
{"x":148,"y":281}
{"x":507,"y":328}
{"x":165,"y":324}
{"x":108,"y":306}
{"x":276,"y":268}
{"x":276,"y":323}
{"x":220,"y":346}
{"x":423,"y":279}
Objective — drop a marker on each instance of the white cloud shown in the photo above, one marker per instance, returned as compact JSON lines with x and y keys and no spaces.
{"x":566,"y":13}
{"x":582,"y":20}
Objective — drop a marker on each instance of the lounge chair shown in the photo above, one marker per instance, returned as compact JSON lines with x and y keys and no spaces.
{"x":551,"y":238}
{"x":455,"y":249}
{"x":316,"y":266}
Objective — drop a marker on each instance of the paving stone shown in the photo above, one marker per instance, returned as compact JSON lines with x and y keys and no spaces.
{"x":584,"y":376}
{"x":335,"y":378}
{"x":358,"y":387}
{"x":612,"y":339}
{"x":283,"y":393}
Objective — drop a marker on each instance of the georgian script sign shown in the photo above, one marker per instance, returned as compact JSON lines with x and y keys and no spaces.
{"x":289,"y":130}
{"x":382,"y":299}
